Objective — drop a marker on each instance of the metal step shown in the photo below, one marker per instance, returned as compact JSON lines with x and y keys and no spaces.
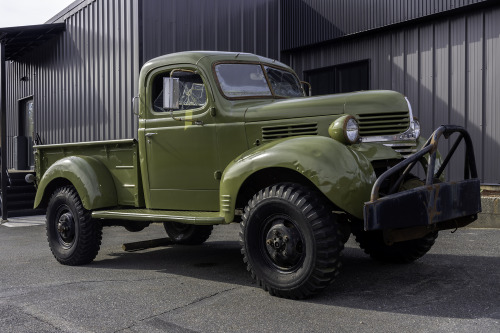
{"x":20,"y":196}
{"x":19,"y":204}
{"x":17,"y":177}
{"x":22,"y":189}
{"x":26,"y":212}
{"x":208,"y":218}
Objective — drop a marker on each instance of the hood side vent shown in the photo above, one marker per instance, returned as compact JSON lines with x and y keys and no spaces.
{"x":371,"y":124}
{"x":285,"y":131}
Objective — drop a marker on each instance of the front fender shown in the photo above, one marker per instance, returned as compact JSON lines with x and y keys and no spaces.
{"x":90,"y":177}
{"x":343,"y":175}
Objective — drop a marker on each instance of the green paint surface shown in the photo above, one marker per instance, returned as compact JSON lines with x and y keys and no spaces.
{"x":198,"y":160}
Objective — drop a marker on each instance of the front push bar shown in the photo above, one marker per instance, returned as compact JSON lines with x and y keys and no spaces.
{"x":434,"y":206}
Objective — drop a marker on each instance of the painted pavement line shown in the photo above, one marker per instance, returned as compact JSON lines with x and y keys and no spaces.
{"x":31,"y":221}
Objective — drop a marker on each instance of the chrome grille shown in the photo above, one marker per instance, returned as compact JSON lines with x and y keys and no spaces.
{"x":405,"y":149}
{"x":375,"y":124}
{"x":285,"y":131}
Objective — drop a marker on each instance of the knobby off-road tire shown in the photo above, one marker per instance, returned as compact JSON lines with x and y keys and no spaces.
{"x":290,"y":241}
{"x":372,"y":242}
{"x":74,"y":238}
{"x":187,"y":234}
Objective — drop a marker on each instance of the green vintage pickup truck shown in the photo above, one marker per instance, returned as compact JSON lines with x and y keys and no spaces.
{"x":232,"y":137}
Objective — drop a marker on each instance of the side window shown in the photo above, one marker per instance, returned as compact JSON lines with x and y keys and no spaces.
{"x":192,"y":92}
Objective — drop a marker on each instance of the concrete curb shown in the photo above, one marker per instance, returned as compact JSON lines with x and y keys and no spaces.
{"x":490,"y":216}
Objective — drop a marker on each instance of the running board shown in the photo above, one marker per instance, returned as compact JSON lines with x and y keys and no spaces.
{"x":151,"y":215}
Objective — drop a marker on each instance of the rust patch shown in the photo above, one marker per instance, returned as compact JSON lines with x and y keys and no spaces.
{"x":432,"y":210}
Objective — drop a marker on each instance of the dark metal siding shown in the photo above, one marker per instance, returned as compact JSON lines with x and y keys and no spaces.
{"x":223,"y":25}
{"x":449,"y":68}
{"x":307,"y":22}
{"x":82,"y":81}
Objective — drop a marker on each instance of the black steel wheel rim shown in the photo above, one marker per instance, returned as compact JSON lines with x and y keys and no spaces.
{"x":282,"y":243}
{"x":65,"y":227}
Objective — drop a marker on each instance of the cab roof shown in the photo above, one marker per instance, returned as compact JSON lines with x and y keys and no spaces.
{"x":196,"y":57}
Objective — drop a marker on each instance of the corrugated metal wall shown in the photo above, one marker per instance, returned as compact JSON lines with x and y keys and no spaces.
{"x":307,"y":22}
{"x":449,"y":69}
{"x":222,"y":25}
{"x":82,"y":81}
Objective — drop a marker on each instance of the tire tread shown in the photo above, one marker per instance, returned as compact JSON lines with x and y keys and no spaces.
{"x":327,"y":237}
{"x":398,"y":253}
{"x":90,"y":231}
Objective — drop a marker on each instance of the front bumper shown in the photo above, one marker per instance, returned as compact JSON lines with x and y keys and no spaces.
{"x":435,"y":206}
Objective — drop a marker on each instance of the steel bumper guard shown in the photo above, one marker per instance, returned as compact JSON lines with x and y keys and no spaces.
{"x":435,"y":206}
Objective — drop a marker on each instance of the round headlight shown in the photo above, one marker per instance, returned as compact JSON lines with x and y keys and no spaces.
{"x":416,"y":128}
{"x":351,"y":130}
{"x":345,"y":129}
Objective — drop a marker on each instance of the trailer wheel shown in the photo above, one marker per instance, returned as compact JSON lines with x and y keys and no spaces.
{"x":290,"y":242}
{"x":74,"y":238}
{"x":187,"y":234}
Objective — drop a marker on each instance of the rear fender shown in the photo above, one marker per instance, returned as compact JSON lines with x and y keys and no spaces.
{"x":343,"y":175}
{"x":90,"y":177}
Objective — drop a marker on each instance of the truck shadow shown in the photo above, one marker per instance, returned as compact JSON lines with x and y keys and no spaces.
{"x":436,"y":285}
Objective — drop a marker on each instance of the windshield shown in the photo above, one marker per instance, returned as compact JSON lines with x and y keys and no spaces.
{"x":284,"y":83}
{"x":248,"y":80}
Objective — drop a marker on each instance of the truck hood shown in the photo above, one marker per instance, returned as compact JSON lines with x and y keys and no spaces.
{"x":363,"y":102}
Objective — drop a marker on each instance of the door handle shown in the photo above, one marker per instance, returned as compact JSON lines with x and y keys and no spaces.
{"x":148,"y":135}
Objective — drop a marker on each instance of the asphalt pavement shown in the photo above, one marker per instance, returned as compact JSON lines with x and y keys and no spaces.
{"x":454,"y":288}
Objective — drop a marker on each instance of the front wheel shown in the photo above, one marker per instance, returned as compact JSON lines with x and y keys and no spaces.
{"x":372,"y":242}
{"x":290,"y":241}
{"x":74,"y":238}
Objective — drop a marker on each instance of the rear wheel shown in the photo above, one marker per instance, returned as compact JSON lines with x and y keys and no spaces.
{"x":74,"y":238}
{"x":187,"y":234}
{"x":290,"y":241}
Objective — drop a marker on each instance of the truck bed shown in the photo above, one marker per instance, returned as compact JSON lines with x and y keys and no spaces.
{"x":121,"y":158}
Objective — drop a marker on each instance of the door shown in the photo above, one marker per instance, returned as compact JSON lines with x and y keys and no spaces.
{"x":181,"y":147}
{"x":24,"y":141}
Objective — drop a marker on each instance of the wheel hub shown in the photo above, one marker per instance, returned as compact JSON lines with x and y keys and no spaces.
{"x":284,"y":244}
{"x":66,"y":227}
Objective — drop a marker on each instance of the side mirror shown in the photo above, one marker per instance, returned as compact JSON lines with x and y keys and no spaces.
{"x":170,"y":93}
{"x":304,"y":83}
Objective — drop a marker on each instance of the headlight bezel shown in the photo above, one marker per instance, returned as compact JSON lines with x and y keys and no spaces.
{"x":342,"y":128}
